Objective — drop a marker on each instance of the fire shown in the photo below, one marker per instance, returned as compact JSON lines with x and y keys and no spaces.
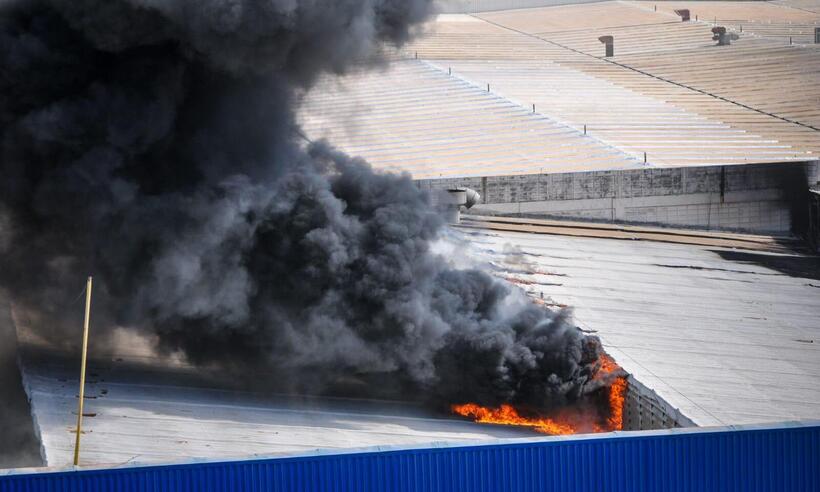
{"x":608,"y":366}
{"x":617,"y":395}
{"x":507,"y":415}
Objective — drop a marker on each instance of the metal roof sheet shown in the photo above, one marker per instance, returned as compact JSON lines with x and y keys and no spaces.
{"x":416,"y":118}
{"x":666,"y":84}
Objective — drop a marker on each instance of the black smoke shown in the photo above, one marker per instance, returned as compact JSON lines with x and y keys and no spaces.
{"x":152,"y":144}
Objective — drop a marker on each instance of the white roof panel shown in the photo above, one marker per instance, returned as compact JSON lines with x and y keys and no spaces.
{"x":136,"y":414}
{"x":721,"y":334}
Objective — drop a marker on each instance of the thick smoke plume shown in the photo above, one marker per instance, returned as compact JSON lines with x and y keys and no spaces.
{"x":152,"y":143}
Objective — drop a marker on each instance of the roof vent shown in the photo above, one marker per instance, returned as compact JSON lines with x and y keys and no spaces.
{"x":722,"y":37}
{"x":450,"y":202}
{"x":609,"y":41}
{"x":684,"y":14}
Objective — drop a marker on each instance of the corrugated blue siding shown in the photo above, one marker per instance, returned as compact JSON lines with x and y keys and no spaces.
{"x":759,"y":459}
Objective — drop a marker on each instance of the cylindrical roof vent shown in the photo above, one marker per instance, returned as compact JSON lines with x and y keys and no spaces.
{"x":609,"y":42}
{"x":450,"y":201}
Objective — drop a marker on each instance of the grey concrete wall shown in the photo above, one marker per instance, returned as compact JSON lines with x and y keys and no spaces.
{"x":754,"y":197}
{"x":644,"y":409}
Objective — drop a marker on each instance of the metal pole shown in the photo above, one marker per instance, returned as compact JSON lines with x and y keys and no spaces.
{"x":82,"y":372}
{"x":533,"y":108}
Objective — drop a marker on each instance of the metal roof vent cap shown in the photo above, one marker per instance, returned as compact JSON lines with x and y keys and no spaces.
{"x":683,"y":14}
{"x":723,"y":38}
{"x":609,"y":41}
{"x":451,"y":202}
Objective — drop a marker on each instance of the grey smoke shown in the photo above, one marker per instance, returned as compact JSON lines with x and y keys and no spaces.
{"x":152,"y":143}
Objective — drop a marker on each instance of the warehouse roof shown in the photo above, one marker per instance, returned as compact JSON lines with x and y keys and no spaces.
{"x":415,"y":117}
{"x":725,"y":328}
{"x":529,"y":91}
{"x":721,"y":326}
{"x":759,"y":83}
{"x":668,"y":91}
{"x":779,"y":20}
{"x":140,"y":409}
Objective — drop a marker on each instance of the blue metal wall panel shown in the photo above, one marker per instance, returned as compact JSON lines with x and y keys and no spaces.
{"x":743,"y":459}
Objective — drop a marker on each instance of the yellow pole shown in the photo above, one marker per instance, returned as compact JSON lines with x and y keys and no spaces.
{"x":82,"y":372}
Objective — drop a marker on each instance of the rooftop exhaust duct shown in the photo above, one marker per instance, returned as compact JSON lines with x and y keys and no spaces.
{"x":683,"y":14}
{"x":609,"y":42}
{"x":722,"y":37}
{"x":452,"y":200}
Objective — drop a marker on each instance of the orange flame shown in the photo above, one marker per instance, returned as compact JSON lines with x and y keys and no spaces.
{"x":617,"y":395}
{"x":608,"y":366}
{"x":507,"y":415}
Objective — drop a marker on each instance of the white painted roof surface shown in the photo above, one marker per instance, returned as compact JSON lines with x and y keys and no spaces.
{"x":726,"y":342}
{"x":151,"y":415}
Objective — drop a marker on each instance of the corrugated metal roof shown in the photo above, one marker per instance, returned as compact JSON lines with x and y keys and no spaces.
{"x":782,"y":457}
{"x":413,"y":117}
{"x":759,"y":88}
{"x":766,"y":19}
{"x":727,"y":336}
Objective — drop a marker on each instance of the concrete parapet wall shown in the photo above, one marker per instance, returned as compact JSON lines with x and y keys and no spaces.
{"x":752,"y":197}
{"x":644,"y":409}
